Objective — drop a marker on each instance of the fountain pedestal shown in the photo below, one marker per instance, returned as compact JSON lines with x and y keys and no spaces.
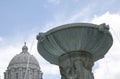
{"x":76,"y":65}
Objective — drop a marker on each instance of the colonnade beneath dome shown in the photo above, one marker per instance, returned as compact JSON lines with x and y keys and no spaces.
{"x":19,"y":73}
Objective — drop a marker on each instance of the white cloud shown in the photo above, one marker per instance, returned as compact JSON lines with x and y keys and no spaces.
{"x":1,"y":39}
{"x":109,"y":66}
{"x":50,"y":69}
{"x":82,"y":13}
{"x":6,"y":54}
{"x":75,"y":16}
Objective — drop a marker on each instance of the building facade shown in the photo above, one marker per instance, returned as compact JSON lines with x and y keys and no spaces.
{"x":23,"y":66}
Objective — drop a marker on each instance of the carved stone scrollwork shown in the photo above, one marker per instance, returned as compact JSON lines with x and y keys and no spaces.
{"x":76,"y":65}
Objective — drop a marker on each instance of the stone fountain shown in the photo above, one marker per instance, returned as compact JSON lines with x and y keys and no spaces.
{"x":75,"y":47}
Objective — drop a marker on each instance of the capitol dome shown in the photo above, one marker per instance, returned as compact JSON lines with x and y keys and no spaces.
{"x":23,"y":64}
{"x":23,"y":59}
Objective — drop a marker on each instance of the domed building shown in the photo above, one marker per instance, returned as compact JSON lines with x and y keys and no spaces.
{"x":23,"y":66}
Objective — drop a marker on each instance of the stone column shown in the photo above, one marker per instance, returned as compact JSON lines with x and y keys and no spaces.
{"x":12,"y":73}
{"x":40,"y":74}
{"x":23,"y":72}
{"x":4,"y":75}
{"x":7,"y":74}
{"x":30,"y":74}
{"x":76,"y":65}
{"x":35,"y":74}
{"x":20,"y":73}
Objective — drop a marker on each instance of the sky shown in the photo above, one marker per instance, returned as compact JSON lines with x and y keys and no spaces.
{"x":22,"y":20}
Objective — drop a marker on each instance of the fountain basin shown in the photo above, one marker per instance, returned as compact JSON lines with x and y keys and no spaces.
{"x":74,"y":37}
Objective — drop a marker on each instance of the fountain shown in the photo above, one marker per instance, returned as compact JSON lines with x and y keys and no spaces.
{"x":75,"y":47}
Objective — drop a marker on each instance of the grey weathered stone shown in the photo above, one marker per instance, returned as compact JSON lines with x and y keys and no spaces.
{"x":75,"y":47}
{"x":76,"y":65}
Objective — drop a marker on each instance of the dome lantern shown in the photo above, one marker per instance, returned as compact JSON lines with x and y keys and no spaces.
{"x":25,"y":48}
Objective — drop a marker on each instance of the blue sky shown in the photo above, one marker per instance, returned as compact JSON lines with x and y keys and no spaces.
{"x":24,"y":15}
{"x":22,"y":20}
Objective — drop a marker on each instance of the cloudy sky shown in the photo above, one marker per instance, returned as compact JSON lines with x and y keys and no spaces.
{"x":22,"y":20}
